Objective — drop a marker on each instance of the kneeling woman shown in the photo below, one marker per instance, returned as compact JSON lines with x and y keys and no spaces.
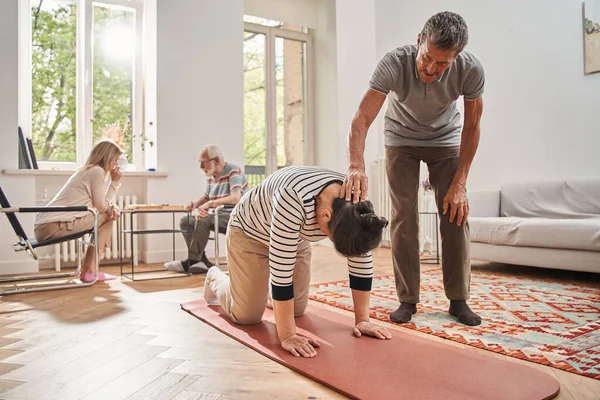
{"x":268,"y":236}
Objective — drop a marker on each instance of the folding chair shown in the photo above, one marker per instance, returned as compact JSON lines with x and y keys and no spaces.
{"x":216,"y":235}
{"x":29,"y":246}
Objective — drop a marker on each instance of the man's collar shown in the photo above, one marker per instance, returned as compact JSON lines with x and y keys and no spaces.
{"x":221,"y":173}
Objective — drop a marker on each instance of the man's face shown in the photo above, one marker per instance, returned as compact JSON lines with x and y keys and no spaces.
{"x":207,"y":164}
{"x":432,"y":62}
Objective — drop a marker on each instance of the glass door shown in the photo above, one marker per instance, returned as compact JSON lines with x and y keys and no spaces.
{"x":255,"y":107}
{"x":115,"y":109}
{"x":291,"y":102}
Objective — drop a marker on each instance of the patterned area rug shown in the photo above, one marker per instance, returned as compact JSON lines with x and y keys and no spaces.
{"x":548,"y":323}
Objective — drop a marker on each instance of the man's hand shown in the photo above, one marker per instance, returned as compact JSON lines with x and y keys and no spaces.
{"x":190,"y":206}
{"x":369,"y":329}
{"x":457,"y":203}
{"x":203,"y":211}
{"x":355,"y":180}
{"x":300,"y":346}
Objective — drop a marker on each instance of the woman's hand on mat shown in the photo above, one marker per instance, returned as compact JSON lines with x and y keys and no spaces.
{"x":457,"y":203}
{"x":369,"y":329}
{"x":300,"y":346}
{"x":356,"y":183}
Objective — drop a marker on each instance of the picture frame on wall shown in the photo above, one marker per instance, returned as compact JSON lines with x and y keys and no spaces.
{"x":24,"y":162}
{"x":34,"y":163}
{"x":591,"y":36}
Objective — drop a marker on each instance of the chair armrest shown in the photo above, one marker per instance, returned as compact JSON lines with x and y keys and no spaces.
{"x":484,"y":203}
{"x":216,"y":210}
{"x":218,"y":229}
{"x":219,"y":208}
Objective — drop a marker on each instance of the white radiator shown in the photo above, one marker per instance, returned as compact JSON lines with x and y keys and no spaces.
{"x":426,"y":203}
{"x":66,"y":252}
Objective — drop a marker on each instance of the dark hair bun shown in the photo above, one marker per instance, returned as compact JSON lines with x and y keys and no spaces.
{"x":365,"y":207}
{"x":373,"y":223}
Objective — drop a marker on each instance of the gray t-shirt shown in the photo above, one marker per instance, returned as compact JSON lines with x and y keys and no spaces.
{"x":420,"y":114}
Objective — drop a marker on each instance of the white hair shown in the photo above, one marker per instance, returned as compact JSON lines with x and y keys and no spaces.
{"x":212,"y":151}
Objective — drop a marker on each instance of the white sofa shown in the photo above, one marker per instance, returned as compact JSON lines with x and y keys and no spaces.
{"x":542,"y":224}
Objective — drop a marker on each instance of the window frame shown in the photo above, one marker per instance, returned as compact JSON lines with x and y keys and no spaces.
{"x":84,"y":83}
{"x":271,"y":34}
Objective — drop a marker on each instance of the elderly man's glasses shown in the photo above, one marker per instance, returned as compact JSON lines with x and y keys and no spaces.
{"x":206,"y":162}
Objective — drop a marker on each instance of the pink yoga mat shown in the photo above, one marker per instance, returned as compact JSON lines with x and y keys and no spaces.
{"x":406,"y":367}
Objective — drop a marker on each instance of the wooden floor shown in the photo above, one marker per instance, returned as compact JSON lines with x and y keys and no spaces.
{"x":130,"y":340}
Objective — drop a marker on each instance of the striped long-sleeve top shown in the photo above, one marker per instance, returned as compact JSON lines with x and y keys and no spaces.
{"x":280,"y":212}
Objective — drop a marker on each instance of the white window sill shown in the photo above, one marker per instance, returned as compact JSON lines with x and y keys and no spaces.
{"x":56,"y":172}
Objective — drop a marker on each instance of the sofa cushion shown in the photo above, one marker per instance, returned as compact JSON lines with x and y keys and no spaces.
{"x":576,"y":198}
{"x":575,"y":234}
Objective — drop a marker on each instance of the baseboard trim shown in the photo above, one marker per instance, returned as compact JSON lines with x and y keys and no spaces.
{"x":18,"y":267}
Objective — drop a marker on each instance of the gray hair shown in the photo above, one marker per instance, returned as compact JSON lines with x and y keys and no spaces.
{"x":212,"y":151}
{"x":447,"y":31}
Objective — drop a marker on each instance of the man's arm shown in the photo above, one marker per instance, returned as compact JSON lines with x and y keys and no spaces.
{"x":200,"y":201}
{"x":368,"y":109}
{"x":233,"y":198}
{"x":469,"y":139}
{"x":456,"y":198}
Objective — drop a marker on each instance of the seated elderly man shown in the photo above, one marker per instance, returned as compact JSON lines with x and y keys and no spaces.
{"x":226,"y":183}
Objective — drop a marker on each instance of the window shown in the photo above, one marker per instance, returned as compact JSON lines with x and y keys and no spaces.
{"x":276,"y":97}
{"x":84,"y":82}
{"x":53,"y":80}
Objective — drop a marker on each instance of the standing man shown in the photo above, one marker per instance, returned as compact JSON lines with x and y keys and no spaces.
{"x":226,"y":183}
{"x":422,"y":84}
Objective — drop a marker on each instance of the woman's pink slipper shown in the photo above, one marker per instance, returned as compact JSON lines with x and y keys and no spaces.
{"x":89,"y":277}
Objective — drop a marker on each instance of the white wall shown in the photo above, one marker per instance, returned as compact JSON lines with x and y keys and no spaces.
{"x":200,"y":100}
{"x":8,"y":84}
{"x":325,"y":87}
{"x":17,"y":189}
{"x":346,"y":58}
{"x":541,"y":114}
